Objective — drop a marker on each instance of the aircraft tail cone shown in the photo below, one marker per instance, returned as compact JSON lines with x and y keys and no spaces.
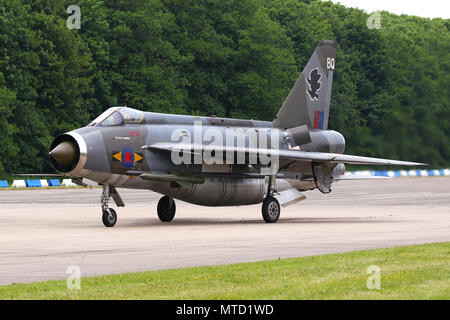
{"x":65,"y":153}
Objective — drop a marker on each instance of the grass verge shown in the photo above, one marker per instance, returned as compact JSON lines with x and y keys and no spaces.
{"x":412,"y":272}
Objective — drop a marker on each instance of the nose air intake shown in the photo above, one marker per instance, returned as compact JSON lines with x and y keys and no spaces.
{"x":68,"y":153}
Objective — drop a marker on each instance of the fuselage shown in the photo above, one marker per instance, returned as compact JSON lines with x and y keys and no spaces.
{"x":112,"y":150}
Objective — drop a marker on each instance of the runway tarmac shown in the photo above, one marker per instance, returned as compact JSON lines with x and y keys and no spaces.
{"x":43,"y":232}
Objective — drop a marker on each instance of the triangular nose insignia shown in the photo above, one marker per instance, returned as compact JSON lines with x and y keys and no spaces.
{"x":118,"y":156}
{"x":137,"y":157}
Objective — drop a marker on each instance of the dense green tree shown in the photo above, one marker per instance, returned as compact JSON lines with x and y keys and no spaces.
{"x":144,"y":65}
{"x":8,"y":150}
{"x":241,"y":61}
{"x":47,"y":66}
{"x":390,"y":92}
{"x":229,"y":58}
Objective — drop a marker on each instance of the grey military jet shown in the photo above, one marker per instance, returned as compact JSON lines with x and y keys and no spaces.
{"x":215,"y":161}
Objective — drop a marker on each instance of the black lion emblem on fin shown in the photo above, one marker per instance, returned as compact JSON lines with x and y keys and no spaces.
{"x":314,"y":84}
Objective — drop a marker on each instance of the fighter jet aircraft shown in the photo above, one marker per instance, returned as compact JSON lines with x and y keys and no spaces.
{"x":215,"y":161}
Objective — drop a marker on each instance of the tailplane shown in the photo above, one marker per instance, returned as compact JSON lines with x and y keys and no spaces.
{"x":308,"y":103}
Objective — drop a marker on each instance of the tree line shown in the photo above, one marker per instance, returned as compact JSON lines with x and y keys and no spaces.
{"x":233,"y":58}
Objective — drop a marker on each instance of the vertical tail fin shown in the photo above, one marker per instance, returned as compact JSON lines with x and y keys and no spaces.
{"x":308,"y":103}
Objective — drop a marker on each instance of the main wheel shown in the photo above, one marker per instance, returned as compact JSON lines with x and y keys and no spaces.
{"x":271,"y":209}
{"x":166,"y":209}
{"x":109,"y":219}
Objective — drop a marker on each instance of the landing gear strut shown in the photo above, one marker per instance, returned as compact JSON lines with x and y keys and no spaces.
{"x":271,"y":207}
{"x":109,"y":216}
{"x":166,"y":209}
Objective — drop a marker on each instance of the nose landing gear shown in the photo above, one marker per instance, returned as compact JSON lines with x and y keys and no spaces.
{"x":109,"y":216}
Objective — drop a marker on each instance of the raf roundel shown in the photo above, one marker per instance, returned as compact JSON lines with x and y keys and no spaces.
{"x":127,"y":157}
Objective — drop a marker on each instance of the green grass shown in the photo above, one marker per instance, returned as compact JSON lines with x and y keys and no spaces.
{"x":413,"y":272}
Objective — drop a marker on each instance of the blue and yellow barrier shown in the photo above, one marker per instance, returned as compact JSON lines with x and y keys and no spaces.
{"x":403,"y":173}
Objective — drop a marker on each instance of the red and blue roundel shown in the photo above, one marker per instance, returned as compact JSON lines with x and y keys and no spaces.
{"x":127,"y":157}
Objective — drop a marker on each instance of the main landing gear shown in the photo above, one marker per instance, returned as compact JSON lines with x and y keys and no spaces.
{"x":166,"y":209}
{"x":109,"y":215}
{"x":271,"y":207}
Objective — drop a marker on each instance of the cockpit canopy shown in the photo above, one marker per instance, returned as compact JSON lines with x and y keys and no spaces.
{"x":117,"y":116}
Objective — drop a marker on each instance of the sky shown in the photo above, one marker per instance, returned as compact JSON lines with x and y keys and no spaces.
{"x":421,"y":8}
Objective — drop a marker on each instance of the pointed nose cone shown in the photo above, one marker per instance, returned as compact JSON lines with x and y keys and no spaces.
{"x":65,"y":153}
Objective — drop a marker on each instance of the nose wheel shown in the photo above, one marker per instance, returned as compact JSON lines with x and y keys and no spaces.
{"x":109,"y":215}
{"x":166,"y":209}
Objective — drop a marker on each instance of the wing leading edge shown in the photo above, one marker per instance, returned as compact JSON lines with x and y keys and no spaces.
{"x":282,"y":154}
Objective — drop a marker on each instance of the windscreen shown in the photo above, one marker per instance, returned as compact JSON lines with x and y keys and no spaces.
{"x":116,"y":116}
{"x":103,"y":116}
{"x":115,"y":119}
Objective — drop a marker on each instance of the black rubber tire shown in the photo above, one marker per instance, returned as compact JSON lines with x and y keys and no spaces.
{"x":271,"y":210}
{"x":166,"y":209}
{"x":109,"y":219}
